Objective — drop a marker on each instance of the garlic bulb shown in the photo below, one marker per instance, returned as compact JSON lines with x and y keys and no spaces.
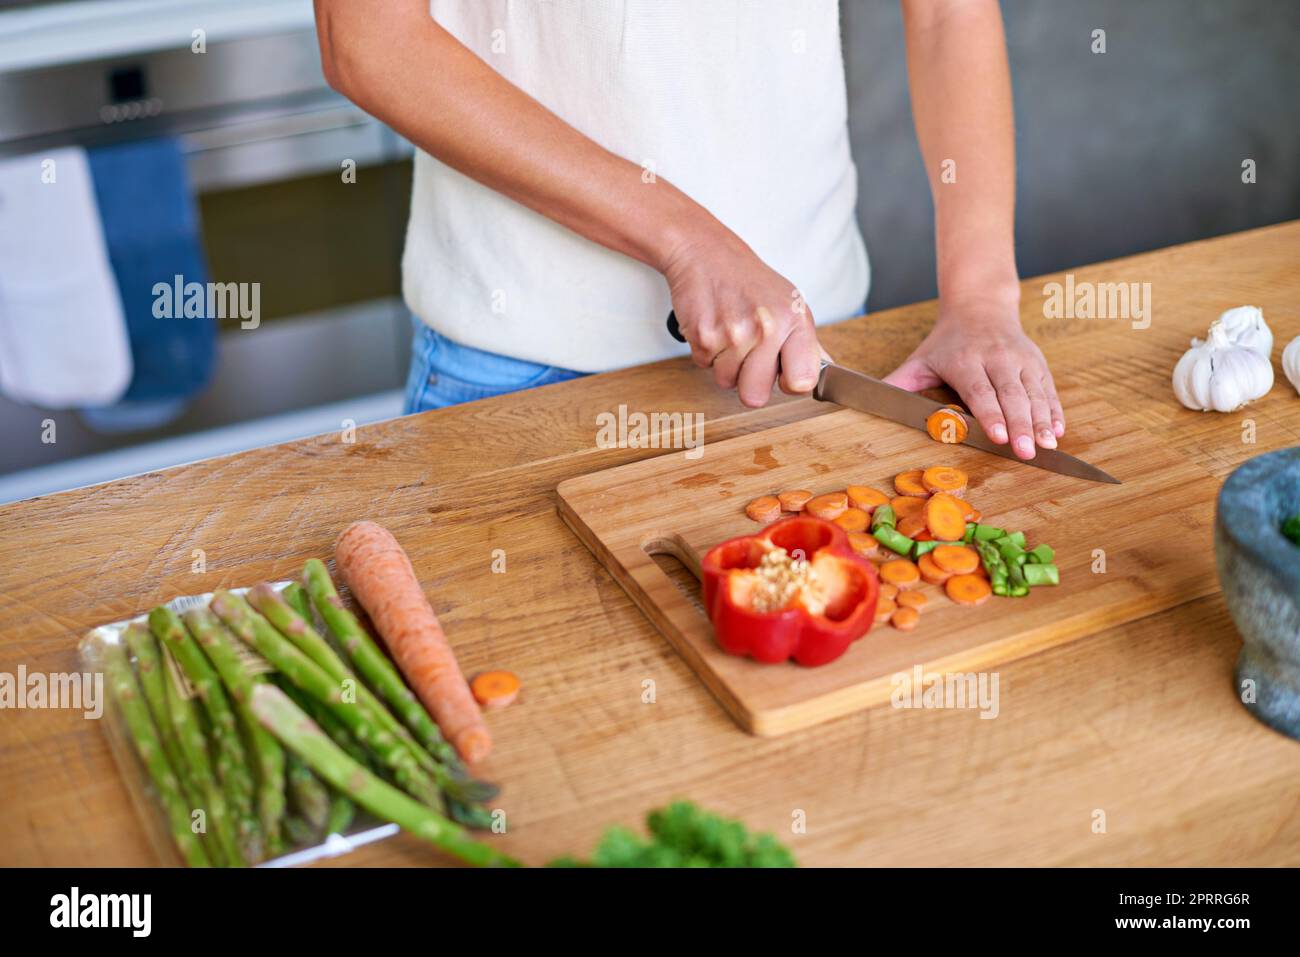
{"x":1245,"y":326}
{"x":1219,"y":375}
{"x":1291,"y":362}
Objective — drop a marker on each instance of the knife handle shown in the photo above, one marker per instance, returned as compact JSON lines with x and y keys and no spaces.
{"x":674,"y":329}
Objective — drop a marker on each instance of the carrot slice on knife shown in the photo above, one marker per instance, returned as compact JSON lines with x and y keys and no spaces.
{"x":865,"y":498}
{"x":765,"y":508}
{"x":829,"y":506}
{"x":794,"y":500}
{"x":944,"y":517}
{"x":947,"y":426}
{"x":909,"y":483}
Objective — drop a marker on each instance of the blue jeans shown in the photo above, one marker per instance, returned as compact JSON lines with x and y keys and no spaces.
{"x":444,"y":373}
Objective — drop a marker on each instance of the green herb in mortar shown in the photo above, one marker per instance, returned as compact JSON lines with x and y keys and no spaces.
{"x":1291,"y":528}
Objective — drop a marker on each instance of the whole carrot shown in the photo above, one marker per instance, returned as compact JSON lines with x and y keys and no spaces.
{"x":380,"y":575}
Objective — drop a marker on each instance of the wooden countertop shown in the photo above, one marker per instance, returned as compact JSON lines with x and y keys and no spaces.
{"x":1139,"y":721}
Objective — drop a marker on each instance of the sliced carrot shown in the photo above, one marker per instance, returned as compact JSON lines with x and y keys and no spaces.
{"x":829,"y":506}
{"x":944,"y":517}
{"x":909,"y":483}
{"x":379,"y":573}
{"x":900,"y":572}
{"x":923,"y":535}
{"x":794,"y":500}
{"x":906,"y":505}
{"x":912,"y":599}
{"x":905,"y":619}
{"x":865,"y":498}
{"x":975,"y":515}
{"x":913,"y":525}
{"x":853,"y":520}
{"x":931,"y":572}
{"x":765,"y":508}
{"x":864,"y":543}
{"x":888,"y":591}
{"x":884,"y":608}
{"x":944,"y":479}
{"x":947,"y":425}
{"x":968,"y":589}
{"x":495,"y":689}
{"x":967,"y":508}
{"x":956,"y":559}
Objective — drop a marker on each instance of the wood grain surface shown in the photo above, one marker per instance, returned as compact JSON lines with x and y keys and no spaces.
{"x":1138,"y":721}
{"x":1110,"y":542}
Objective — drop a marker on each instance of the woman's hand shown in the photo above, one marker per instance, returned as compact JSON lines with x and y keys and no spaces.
{"x":743,"y":319}
{"x":980,"y":350}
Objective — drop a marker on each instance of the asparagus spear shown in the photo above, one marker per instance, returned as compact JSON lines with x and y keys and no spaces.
{"x":219,"y":646}
{"x":311,"y":799}
{"x":144,"y":738}
{"x":148,"y":666}
{"x":322,"y":715}
{"x":260,"y":634}
{"x":300,"y":735}
{"x":341,"y":813}
{"x":297,"y":598}
{"x":194,"y":746}
{"x":451,"y":779}
{"x":231,"y":760}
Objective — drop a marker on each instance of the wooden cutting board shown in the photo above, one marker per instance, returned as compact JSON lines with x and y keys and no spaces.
{"x":1124,"y":551}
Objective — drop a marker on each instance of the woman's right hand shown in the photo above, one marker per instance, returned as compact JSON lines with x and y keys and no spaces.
{"x":742,"y":319}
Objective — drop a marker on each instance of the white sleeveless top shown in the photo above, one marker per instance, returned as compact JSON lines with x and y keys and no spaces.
{"x":739,"y":103}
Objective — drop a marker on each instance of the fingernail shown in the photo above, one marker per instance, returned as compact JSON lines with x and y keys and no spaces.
{"x":1058,"y":428}
{"x":998,"y":433}
{"x":1046,"y":439}
{"x":1025,"y":446}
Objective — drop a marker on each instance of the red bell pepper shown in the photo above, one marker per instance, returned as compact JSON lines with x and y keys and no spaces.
{"x":795,"y":590}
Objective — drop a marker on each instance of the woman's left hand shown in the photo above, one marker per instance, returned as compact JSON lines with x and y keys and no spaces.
{"x":980,"y":350}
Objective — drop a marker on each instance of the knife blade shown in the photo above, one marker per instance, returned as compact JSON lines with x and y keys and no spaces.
{"x":855,"y":390}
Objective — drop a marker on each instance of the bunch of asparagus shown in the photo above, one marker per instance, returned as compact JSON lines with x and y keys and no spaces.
{"x":280,"y":756}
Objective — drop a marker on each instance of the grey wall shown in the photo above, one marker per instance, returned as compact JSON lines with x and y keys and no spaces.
{"x":1133,"y":149}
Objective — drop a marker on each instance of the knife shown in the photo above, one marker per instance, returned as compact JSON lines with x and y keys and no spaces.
{"x":861,"y":392}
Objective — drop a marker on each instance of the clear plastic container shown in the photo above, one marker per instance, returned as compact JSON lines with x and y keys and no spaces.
{"x":144,"y":797}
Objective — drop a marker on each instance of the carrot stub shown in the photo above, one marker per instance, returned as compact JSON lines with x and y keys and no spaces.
{"x":912,"y":599}
{"x":794,"y":500}
{"x":853,"y":520}
{"x":931,"y":572}
{"x":942,"y":479}
{"x":765,"y":508}
{"x":867,"y":499}
{"x":829,"y":506}
{"x":495,"y":689}
{"x":968,"y":589}
{"x":379,"y":573}
{"x":956,"y":559}
{"x":945,"y":518}
{"x":909,"y":483}
{"x":905,"y":618}
{"x":864,"y":543}
{"x":900,"y":572}
{"x":947,"y":425}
